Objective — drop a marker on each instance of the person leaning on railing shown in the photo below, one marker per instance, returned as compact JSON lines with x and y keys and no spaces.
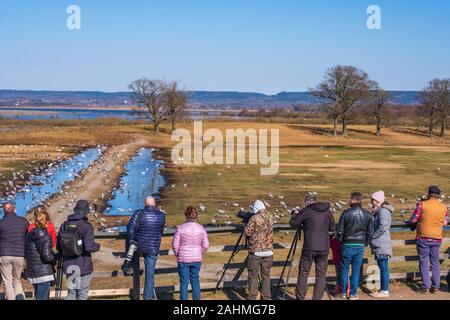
{"x":429,"y":218}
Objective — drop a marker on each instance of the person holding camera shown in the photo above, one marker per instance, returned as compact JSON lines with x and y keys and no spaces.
{"x":429,"y":218}
{"x":189,"y":244}
{"x":145,"y":230}
{"x":317,"y":222}
{"x":259,"y":231}
{"x":354,"y":230}
{"x":76,"y":243}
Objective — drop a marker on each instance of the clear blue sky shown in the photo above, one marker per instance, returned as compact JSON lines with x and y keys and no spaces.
{"x":244,"y":45}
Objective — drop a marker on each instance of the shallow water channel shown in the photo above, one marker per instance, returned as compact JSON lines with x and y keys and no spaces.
{"x":51,"y":181}
{"x":142,"y":178}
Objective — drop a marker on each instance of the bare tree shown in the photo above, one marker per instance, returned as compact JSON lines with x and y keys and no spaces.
{"x":343,"y":89}
{"x":151,"y":101}
{"x":377,"y":106}
{"x":435,"y":104}
{"x":444,"y":104}
{"x":176,"y":99}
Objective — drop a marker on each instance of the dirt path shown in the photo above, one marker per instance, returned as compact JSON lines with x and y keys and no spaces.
{"x":98,"y":181}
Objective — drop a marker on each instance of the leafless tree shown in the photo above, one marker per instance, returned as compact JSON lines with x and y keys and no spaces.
{"x":151,"y":101}
{"x":343,"y":89}
{"x":435,"y":104}
{"x":377,"y":106}
{"x":176,"y":99}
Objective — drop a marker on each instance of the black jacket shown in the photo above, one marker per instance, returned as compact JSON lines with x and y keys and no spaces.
{"x":355,"y":226}
{"x":316,"y":221}
{"x":13,"y":230}
{"x":83,"y":262}
{"x":39,"y":256}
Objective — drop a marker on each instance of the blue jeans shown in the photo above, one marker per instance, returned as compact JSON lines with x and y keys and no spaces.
{"x":383,"y":264}
{"x":189,"y":272}
{"x":42,"y":290}
{"x":150,"y":264}
{"x":351,"y":255}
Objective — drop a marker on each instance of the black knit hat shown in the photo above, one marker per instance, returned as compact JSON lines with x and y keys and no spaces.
{"x":82,"y":207}
{"x":434,"y":190}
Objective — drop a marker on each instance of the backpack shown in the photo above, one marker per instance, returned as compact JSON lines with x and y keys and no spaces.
{"x":71,"y":240}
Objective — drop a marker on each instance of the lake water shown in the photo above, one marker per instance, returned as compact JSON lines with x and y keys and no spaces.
{"x":79,"y":114}
{"x":142,"y":178}
{"x":51,"y":181}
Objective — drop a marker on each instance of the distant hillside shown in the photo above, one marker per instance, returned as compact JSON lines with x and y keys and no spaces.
{"x":207,"y":99}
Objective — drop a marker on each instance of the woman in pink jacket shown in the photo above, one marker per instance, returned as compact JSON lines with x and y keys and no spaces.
{"x":189,"y":244}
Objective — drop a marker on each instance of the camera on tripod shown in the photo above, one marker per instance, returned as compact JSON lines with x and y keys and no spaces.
{"x":245,"y":215}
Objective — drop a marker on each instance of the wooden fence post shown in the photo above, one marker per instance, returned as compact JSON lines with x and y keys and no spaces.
{"x":136,"y":276}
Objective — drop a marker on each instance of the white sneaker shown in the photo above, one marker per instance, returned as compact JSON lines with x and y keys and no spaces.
{"x":380,"y":294}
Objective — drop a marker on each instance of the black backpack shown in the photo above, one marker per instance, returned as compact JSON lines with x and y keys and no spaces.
{"x":71,"y":240}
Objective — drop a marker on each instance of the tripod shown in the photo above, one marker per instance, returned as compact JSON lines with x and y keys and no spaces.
{"x":59,"y":279}
{"x":290,"y":260}
{"x":236,"y":250}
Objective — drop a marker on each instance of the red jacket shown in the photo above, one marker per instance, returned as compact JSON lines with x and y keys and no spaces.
{"x":50,"y":230}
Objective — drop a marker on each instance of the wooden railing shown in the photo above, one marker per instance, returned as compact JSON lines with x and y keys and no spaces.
{"x":136,"y":291}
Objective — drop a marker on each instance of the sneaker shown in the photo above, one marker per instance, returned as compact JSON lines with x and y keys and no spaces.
{"x":354,"y":297}
{"x":423,"y":291}
{"x":342,"y":296}
{"x":379,"y":295}
{"x":434,"y":290}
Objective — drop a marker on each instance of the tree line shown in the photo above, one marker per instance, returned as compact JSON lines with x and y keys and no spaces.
{"x":345,"y":89}
{"x":345,"y":92}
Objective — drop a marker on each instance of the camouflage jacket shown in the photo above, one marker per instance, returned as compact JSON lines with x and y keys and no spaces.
{"x":259,"y":231}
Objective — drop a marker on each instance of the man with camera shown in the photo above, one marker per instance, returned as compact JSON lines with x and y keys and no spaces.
{"x":144,"y":231}
{"x":259,"y":231}
{"x":354,"y":230}
{"x":317,"y":222}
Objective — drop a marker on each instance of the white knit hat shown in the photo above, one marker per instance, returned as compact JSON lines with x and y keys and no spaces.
{"x":258,"y":206}
{"x":379,"y":196}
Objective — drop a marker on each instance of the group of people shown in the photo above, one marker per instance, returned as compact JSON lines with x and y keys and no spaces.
{"x":36,"y":248}
{"x":358,"y":228}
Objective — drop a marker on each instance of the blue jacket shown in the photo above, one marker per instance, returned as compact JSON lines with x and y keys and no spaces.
{"x":148,"y":234}
{"x":13,"y":231}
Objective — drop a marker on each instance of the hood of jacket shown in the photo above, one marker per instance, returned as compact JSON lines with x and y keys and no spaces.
{"x":320,"y":206}
{"x":77,"y":216}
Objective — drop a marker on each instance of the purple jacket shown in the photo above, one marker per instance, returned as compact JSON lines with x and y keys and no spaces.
{"x":190,"y":242}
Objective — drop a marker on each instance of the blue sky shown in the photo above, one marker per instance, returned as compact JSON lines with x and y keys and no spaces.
{"x":244,"y":45}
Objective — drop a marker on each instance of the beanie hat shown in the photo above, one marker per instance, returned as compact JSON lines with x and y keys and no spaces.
{"x":258,"y":206}
{"x":379,"y":196}
{"x":434,"y":190}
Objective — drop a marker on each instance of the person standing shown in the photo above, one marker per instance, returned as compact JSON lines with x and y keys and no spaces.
{"x":145,"y":228}
{"x":50,"y":226}
{"x":355,"y":229}
{"x":189,"y":244}
{"x":317,"y":222}
{"x":40,"y":257}
{"x":381,"y":243}
{"x":76,"y":243}
{"x":13,"y":231}
{"x":430,"y":217}
{"x":259,"y":231}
